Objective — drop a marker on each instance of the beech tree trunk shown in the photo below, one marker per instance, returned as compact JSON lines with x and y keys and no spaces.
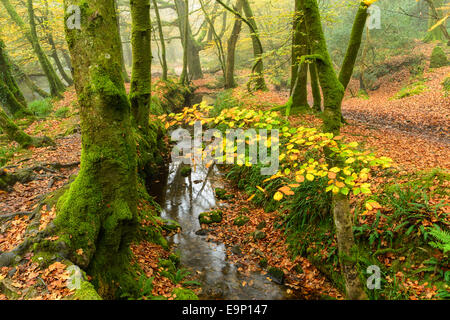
{"x":193,"y":48}
{"x":56,"y":86}
{"x":230,"y":82}
{"x":11,"y":98}
{"x":258,"y":76}
{"x":333,"y":93}
{"x":140,"y":93}
{"x":162,"y":41}
{"x":97,"y":216}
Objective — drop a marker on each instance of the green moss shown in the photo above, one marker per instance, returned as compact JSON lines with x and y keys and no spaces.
{"x":411,"y":90}
{"x":186,"y":171}
{"x":446,"y":85}
{"x":184,"y":294}
{"x":86,"y":292}
{"x":222,"y":194}
{"x":215,"y":216}
{"x":241,"y":220}
{"x":438,"y":58}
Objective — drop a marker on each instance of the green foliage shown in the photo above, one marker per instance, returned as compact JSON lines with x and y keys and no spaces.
{"x":41,"y":108}
{"x":438,"y":58}
{"x":6,"y":153}
{"x":442,"y":239}
{"x":446,"y":85}
{"x":62,"y":112}
{"x":224,"y":101}
{"x":411,"y":90}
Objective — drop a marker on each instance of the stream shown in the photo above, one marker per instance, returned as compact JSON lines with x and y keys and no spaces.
{"x":184,"y":198}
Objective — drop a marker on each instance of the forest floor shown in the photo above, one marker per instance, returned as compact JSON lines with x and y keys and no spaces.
{"x":413,"y":131}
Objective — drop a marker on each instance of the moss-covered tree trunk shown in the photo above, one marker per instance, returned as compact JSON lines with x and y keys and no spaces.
{"x":97,"y":216}
{"x":299,"y":73}
{"x":11,"y":98}
{"x":22,"y":76}
{"x":14,"y":132}
{"x":333,"y":93}
{"x":230,"y":82}
{"x":315,"y":88}
{"x":55,"y":84}
{"x":140,"y":93}
{"x":193,"y":47}
{"x":162,"y":41}
{"x":258,"y":70}
{"x":299,"y":49}
{"x":184,"y":24}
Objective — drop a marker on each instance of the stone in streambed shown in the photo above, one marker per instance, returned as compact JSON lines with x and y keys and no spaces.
{"x":222,"y":194}
{"x":276,"y":274}
{"x":215,"y":216}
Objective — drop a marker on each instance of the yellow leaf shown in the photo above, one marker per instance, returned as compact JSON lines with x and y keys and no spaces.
{"x":278,"y":196}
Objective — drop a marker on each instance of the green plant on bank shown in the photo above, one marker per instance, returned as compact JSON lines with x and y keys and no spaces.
{"x":62,"y":112}
{"x":411,"y":90}
{"x":6,"y":153}
{"x":446,"y":86}
{"x":41,"y":108}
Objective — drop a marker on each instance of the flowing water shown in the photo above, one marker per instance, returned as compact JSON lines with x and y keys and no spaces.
{"x":183,"y":200}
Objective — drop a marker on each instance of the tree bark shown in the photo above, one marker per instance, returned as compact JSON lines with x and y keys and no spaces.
{"x":333,"y":92}
{"x":56,"y":86}
{"x":126,"y":78}
{"x":230,"y":81}
{"x":163,"y":43}
{"x":98,"y":214}
{"x":193,"y":48}
{"x":140,"y":93}
{"x":11,"y":98}
{"x":258,"y":76}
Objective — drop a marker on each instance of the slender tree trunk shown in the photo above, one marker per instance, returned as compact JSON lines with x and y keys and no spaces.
{"x":126,"y":78}
{"x":97,"y":216}
{"x":258,"y":76}
{"x":441,"y":32}
{"x":315,"y":88}
{"x":11,"y":98}
{"x":56,"y":86}
{"x":193,"y":48}
{"x":7,"y":77}
{"x":140,"y":93}
{"x":54,"y":54}
{"x":22,"y":76}
{"x":230,"y":82}
{"x":333,"y":92}
{"x":217,"y":40}
{"x":163,"y":43}
{"x":183,"y":10}
{"x":58,"y":63}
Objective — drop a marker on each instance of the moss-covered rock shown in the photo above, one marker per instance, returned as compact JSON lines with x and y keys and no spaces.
{"x":86,"y":292}
{"x":184,"y":294}
{"x":438,"y":58}
{"x":215,"y":216}
{"x":276,"y":274}
{"x":263,"y":263}
{"x":222,"y":194}
{"x":186,"y":171}
{"x":241,"y":220}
